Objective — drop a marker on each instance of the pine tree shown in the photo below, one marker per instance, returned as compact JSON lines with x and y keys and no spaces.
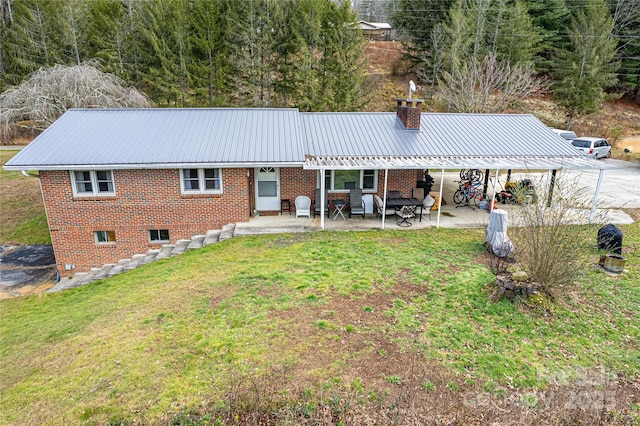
{"x":212,"y":67}
{"x":586,"y":68}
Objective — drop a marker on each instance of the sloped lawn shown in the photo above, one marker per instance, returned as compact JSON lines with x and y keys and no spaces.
{"x":390,"y":326}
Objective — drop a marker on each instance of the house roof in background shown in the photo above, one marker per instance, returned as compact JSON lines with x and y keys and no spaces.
{"x":161,"y":137}
{"x":374,"y":25}
{"x":236,"y":137}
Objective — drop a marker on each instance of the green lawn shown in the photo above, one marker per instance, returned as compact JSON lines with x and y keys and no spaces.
{"x":293,"y":315}
{"x":23,"y":219}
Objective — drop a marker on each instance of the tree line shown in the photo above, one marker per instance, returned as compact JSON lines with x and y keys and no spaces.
{"x":255,"y":53}
{"x":480,"y":55}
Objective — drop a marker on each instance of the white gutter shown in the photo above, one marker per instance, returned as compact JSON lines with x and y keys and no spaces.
{"x":151,"y":166}
{"x":25,"y":173}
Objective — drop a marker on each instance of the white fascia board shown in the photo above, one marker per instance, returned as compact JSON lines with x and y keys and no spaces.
{"x":150,"y":166}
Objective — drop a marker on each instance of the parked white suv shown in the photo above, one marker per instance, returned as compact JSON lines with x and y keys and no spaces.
{"x":593,"y":147}
{"x":566,"y":134}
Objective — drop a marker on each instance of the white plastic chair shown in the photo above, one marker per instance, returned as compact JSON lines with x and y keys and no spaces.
{"x":303,"y":206}
{"x":427,"y":204}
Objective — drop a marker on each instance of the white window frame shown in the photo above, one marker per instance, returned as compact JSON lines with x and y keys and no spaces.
{"x":107,"y":232}
{"x":151,"y":240}
{"x":95,"y":191}
{"x":201,"y":181}
{"x":331,"y":188}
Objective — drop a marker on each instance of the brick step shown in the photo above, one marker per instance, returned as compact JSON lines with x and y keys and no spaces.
{"x":212,"y":237}
{"x":104,"y":271}
{"x":65,"y":284}
{"x":150,"y":256}
{"x":136,"y":260}
{"x":227,"y":231}
{"x":119,"y":267}
{"x":181,"y":247}
{"x":167,"y":250}
{"x":196,"y":242}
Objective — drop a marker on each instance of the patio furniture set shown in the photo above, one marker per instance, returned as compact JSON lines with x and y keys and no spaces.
{"x":404,"y":209}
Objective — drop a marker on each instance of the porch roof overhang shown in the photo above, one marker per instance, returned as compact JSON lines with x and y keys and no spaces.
{"x":454,"y":162}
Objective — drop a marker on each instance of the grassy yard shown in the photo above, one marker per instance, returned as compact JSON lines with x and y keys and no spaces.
{"x":394,"y":327}
{"x":22,"y":216}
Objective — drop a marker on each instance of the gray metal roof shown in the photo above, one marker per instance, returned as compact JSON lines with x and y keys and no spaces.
{"x":235,"y":137}
{"x":163,"y":137}
{"x":380,"y":140}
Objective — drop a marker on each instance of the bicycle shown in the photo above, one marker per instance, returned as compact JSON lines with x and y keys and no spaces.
{"x":471,"y":175}
{"x":468,"y":191}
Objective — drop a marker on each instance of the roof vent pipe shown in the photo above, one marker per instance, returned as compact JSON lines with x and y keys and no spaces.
{"x":409,"y":111}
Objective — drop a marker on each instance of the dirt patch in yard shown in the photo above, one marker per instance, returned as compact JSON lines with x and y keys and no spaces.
{"x":351,"y":367}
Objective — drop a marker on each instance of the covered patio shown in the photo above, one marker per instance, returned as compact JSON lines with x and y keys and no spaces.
{"x":450,"y":215}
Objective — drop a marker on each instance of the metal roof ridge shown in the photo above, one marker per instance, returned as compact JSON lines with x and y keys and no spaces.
{"x":184,"y":109}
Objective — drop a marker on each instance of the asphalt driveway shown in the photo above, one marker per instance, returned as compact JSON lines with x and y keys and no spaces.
{"x":26,"y":269}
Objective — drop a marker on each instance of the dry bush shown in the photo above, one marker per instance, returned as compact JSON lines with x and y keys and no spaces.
{"x":48,"y":93}
{"x":550,"y":249}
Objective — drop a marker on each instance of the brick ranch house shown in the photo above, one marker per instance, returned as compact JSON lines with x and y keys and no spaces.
{"x":116,"y":182}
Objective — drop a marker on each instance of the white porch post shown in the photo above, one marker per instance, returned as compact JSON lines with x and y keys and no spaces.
{"x":544,"y":206}
{"x":495,"y":185}
{"x":384,"y":199}
{"x":323,"y":202}
{"x":440,"y":198}
{"x":595,"y":197}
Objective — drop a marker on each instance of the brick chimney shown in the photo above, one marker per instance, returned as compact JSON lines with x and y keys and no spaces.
{"x":409,"y":112}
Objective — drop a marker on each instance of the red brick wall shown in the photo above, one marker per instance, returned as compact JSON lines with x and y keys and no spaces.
{"x":151,"y":199}
{"x":145,"y":199}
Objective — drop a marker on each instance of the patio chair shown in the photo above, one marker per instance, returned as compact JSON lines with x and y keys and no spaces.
{"x":394,"y":194}
{"x":427,"y":205}
{"x":356,"y":203}
{"x":316,"y":203}
{"x":387,"y":212}
{"x":404,"y":214}
{"x":303,"y":206}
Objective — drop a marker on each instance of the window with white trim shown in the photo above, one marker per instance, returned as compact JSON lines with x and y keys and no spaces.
{"x":200,"y":181}
{"x":105,"y":237}
{"x":158,"y":235}
{"x":344,"y":180}
{"x":92,"y":182}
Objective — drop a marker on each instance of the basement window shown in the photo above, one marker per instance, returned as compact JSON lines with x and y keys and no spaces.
{"x":105,"y":237}
{"x":92,"y":182}
{"x":159,"y":235}
{"x":201,"y":181}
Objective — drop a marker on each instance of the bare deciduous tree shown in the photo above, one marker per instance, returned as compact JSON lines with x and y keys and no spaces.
{"x":48,"y":93}
{"x":487,"y":85}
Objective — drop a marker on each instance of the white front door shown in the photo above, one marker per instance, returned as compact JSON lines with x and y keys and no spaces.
{"x":267,"y":188}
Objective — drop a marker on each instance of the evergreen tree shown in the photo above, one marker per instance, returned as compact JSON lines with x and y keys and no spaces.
{"x":164,"y":55}
{"x":105,"y":35}
{"x":415,"y":21}
{"x":212,"y":67}
{"x":583,"y":71}
{"x":551,"y":18}
{"x":341,"y":68}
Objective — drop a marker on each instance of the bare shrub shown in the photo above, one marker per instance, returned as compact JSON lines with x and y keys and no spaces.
{"x":487,"y":85}
{"x":548,"y":247}
{"x":48,"y":93}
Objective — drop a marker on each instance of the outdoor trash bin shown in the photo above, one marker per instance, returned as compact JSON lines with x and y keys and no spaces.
{"x":610,"y":238}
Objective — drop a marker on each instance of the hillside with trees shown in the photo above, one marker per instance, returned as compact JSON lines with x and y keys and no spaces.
{"x":468,"y":55}
{"x":254,"y":53}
